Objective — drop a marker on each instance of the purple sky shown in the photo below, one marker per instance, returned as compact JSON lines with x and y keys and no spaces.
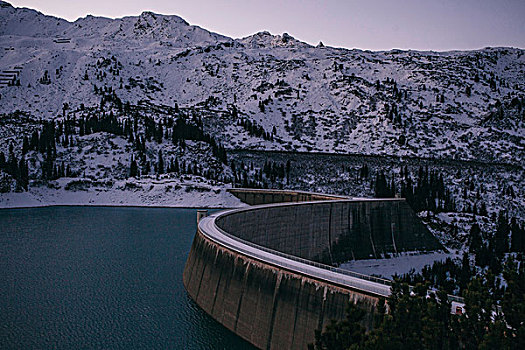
{"x":367,"y":24}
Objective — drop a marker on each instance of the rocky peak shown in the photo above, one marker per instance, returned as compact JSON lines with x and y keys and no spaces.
{"x":265,"y":39}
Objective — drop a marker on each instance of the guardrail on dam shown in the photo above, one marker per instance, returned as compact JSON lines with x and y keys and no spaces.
{"x":261,"y":271}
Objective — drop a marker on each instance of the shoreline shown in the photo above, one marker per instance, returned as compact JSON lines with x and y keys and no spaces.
{"x":116,"y":206}
{"x":158,"y":196}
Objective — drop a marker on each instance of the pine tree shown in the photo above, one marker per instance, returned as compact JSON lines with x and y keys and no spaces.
{"x":466,"y":272}
{"x":2,"y":160}
{"x":381,"y":187}
{"x":160,"y":164}
{"x":475,"y":241}
{"x":11,"y":166}
{"x":517,"y":236}
{"x":420,"y":319}
{"x":478,"y":305}
{"x":133,"y":168}
{"x":146,"y":168}
{"x":513,"y":303}
{"x":25,"y":145}
{"x":342,"y":335}
{"x":501,"y":237}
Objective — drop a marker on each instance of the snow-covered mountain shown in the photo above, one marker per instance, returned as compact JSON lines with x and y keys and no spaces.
{"x":139,"y":111}
{"x":461,"y":104}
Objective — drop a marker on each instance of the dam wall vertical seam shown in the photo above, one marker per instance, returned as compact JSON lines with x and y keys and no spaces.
{"x":275,"y":300}
{"x":296,"y":312}
{"x":216,"y":291}
{"x":243,"y":287}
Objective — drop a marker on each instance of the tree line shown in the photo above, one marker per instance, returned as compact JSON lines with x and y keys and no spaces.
{"x":416,"y":317}
{"x":176,"y":129}
{"x":426,"y":192}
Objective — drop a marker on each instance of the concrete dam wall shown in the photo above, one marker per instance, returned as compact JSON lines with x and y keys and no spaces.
{"x":334,"y":231}
{"x":256,"y":197}
{"x":257,"y":270}
{"x":271,"y":307}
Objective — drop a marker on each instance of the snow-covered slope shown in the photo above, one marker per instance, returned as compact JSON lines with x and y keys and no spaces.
{"x":136,"y":111}
{"x":464,"y":105}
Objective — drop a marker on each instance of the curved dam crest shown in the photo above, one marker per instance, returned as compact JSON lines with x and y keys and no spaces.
{"x":332,"y":232}
{"x":258,"y":270}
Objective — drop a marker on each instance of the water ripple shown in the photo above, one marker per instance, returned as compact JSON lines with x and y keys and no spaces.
{"x":100,"y":278}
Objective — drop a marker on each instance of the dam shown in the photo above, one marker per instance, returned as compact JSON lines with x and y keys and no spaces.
{"x":268,"y":272}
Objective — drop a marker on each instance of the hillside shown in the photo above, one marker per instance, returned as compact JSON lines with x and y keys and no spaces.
{"x":461,"y":105}
{"x":152,"y":110}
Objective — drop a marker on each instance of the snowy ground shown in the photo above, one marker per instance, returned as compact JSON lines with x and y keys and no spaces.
{"x":169,"y":193}
{"x":317,"y":98}
{"x":396,"y":265}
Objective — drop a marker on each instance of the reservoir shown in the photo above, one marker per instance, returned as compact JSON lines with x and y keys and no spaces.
{"x":101,"y":278}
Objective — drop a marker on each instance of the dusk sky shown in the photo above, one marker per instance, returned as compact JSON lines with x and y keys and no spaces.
{"x":373,"y":24}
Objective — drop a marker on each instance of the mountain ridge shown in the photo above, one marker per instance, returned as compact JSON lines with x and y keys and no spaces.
{"x":5,"y":4}
{"x":150,"y":109}
{"x":454,"y":104}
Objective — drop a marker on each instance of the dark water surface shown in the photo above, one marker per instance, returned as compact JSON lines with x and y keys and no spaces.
{"x":100,"y":278}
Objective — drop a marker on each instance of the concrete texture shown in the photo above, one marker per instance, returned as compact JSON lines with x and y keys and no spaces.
{"x":272,"y":305}
{"x":333,"y":232}
{"x":256,"y":196}
{"x":271,"y":308}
